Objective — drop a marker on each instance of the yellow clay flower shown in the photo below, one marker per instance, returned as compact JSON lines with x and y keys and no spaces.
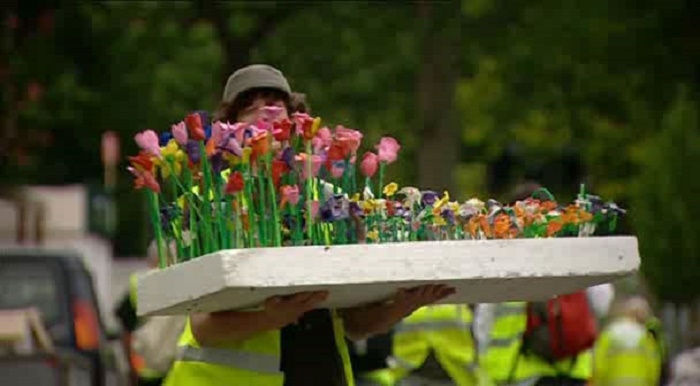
{"x":170,"y":149}
{"x":391,"y":189}
{"x":232,"y":159}
{"x":445,"y":198}
{"x":373,"y":235}
{"x":315,"y":125}
{"x":247,"y":151}
{"x":439,"y":220}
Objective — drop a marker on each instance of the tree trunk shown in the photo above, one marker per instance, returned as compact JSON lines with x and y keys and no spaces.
{"x":236,"y":50}
{"x":438,"y":152}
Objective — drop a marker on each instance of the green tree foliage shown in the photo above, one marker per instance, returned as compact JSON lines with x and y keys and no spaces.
{"x":560,"y":91}
{"x":665,"y":205}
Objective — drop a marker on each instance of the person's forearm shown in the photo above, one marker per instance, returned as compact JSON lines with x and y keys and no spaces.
{"x":363,"y":322}
{"x":214,"y":329}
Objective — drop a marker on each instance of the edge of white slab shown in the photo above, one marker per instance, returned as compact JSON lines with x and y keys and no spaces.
{"x":245,"y":276}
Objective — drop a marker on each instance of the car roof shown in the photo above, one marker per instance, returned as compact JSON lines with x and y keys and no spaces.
{"x":65,"y":257}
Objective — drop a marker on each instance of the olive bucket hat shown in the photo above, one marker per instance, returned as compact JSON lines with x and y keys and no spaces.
{"x":254,"y":76}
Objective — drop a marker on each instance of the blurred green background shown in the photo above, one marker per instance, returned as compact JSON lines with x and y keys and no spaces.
{"x":482,"y":94}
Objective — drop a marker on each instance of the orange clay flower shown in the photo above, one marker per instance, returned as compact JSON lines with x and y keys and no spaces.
{"x":260,"y":144}
{"x":501,"y":226}
{"x":554,"y":226}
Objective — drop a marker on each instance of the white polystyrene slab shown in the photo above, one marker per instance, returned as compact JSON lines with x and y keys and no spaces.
{"x":481,"y":271}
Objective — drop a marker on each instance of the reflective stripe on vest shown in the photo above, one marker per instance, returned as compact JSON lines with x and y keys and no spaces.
{"x":245,"y":360}
{"x":627,"y":381}
{"x":443,"y":329}
{"x":504,"y":340}
{"x":431,"y":326}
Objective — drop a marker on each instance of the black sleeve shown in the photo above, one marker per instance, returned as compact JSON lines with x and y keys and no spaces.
{"x":126,"y":313}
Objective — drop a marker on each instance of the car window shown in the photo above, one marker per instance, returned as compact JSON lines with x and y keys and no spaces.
{"x":33,"y":285}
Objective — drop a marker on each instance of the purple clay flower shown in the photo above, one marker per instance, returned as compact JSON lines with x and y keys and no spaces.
{"x":341,"y":207}
{"x":335,"y":208}
{"x":327,"y":211}
{"x":192,"y":150}
{"x":429,"y":197}
{"x":217,"y":163}
{"x":449,"y":215}
{"x":355,"y":210}
{"x":167,"y":215}
{"x":229,"y":144}
{"x":288,"y":157}
{"x":399,"y":210}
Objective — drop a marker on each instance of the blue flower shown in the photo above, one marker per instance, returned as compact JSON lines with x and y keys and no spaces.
{"x":165,"y":137}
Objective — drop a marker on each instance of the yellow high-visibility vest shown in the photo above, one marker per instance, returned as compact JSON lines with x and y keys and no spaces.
{"x":444,"y":330}
{"x":503,"y":360}
{"x":626,"y":354}
{"x":253,"y":362}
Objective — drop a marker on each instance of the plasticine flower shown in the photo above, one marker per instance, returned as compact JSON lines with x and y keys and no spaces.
{"x":194,"y":126}
{"x":302,"y":124}
{"x":315,"y":125}
{"x":245,"y":157}
{"x":369,"y":164}
{"x":192,"y":150}
{"x":281,"y":130}
{"x":218,"y":130}
{"x":315,"y":164}
{"x":173,"y":157}
{"x":337,"y":169}
{"x":148,"y":141}
{"x":388,"y":149}
{"x":442,"y":201}
{"x":143,"y":179}
{"x":165,"y":137}
{"x":412,"y":194}
{"x":324,"y":134}
{"x":142,"y":161}
{"x":335,"y":153}
{"x":230,"y":144}
{"x":429,"y":197}
{"x":180,"y":133}
{"x":390,"y":189}
{"x":278,"y":168}
{"x":348,"y":138}
{"x":218,"y":163}
{"x":260,"y":144}
{"x":235,"y":183}
{"x":290,"y":194}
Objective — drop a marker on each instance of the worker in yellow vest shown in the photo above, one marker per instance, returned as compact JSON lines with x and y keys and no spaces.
{"x":126,"y":313}
{"x":288,"y":341}
{"x":626,"y":352}
{"x":433,"y":346}
{"x":506,"y":364}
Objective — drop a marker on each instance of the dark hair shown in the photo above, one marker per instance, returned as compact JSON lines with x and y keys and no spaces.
{"x":299,"y":103}
{"x":228,"y":111}
{"x":524,"y":190}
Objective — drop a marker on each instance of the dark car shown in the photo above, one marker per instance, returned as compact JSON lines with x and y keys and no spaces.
{"x":58,"y":284}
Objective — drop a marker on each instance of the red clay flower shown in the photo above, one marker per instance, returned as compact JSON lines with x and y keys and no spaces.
{"x":194,"y":126}
{"x":235,"y":183}
{"x":282,"y":130}
{"x":279,"y":167}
